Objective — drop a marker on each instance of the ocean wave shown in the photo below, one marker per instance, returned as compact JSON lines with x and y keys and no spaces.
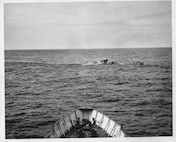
{"x":110,"y":100}
{"x":13,"y":121}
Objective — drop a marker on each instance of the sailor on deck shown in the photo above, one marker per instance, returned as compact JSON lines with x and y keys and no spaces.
{"x":94,"y":121}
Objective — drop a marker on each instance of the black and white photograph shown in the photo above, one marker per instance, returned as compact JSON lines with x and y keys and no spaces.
{"x":94,"y":69}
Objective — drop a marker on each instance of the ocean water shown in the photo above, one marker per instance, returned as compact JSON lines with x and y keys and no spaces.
{"x":41,"y":86}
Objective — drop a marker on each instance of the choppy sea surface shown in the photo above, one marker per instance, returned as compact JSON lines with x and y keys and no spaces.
{"x":41,"y":86}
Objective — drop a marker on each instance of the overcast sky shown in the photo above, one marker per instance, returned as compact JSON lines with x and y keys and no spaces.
{"x":87,"y":25}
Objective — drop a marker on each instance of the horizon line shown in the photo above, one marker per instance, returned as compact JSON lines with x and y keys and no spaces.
{"x":91,"y":48}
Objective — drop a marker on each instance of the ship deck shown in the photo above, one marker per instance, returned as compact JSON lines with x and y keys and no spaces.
{"x":85,"y":132}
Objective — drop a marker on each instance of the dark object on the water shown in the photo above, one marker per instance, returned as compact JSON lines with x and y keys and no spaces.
{"x":104,"y":61}
{"x":85,"y":122}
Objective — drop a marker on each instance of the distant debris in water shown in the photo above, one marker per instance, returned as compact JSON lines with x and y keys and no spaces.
{"x":105,"y":61}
